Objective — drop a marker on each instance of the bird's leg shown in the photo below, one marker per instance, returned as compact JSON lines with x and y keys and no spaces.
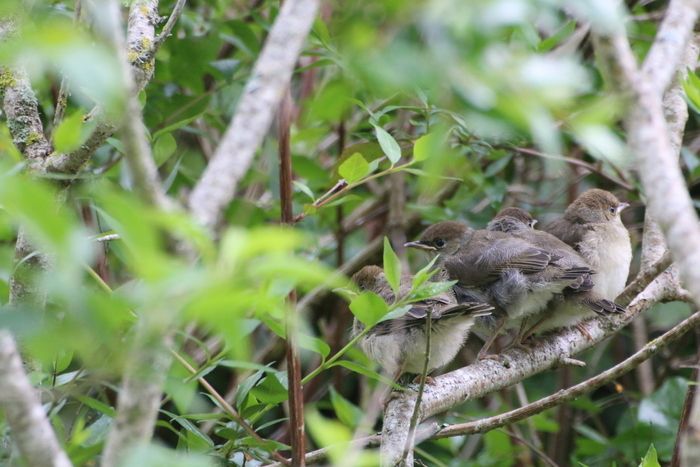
{"x":518,"y":341}
{"x":527,"y":334}
{"x":483,"y":352}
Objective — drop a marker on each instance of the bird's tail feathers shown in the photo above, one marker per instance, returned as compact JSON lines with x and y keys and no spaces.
{"x":602,"y":306}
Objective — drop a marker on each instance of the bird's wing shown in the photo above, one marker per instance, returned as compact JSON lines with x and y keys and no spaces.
{"x":512,"y":254}
{"x":418,"y":314}
{"x":568,"y":232}
{"x":602,"y":306}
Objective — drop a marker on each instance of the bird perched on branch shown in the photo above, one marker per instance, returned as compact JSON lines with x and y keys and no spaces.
{"x":399,"y":344}
{"x":515,"y":276}
{"x":591,"y":225}
{"x":578,"y":301}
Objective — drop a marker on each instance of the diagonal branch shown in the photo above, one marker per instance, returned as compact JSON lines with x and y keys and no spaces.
{"x":521,"y":413}
{"x":26,"y":417}
{"x":260,"y":99}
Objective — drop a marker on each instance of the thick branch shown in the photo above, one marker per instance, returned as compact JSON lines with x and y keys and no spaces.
{"x":674,"y":33}
{"x":646,"y":352}
{"x":22,"y":112}
{"x":30,"y":427}
{"x":141,"y":45}
{"x":487,"y":376}
{"x":261,"y":98}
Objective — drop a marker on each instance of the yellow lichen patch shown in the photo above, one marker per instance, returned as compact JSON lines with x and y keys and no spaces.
{"x":7,"y":79}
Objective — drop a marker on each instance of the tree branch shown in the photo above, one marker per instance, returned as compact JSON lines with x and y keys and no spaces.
{"x":28,"y":422}
{"x":261,"y":98}
{"x":565,"y":395}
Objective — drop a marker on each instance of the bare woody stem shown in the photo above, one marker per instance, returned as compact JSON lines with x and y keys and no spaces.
{"x":296,"y":395}
{"x":20,"y":402}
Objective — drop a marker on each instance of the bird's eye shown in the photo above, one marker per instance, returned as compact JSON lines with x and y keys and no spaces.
{"x":612,"y":210}
{"x":439,"y":243}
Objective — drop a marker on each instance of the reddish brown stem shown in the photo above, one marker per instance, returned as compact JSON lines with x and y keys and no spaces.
{"x":296,"y":397}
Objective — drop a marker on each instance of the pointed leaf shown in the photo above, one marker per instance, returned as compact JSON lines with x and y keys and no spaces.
{"x":354,"y":168}
{"x":389,"y":145}
{"x":369,"y":308}
{"x":392,"y":267}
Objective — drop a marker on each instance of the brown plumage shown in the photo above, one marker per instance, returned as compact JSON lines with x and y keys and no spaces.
{"x":591,"y":225}
{"x":576,"y":298}
{"x":398,"y":345}
{"x":515,"y":276}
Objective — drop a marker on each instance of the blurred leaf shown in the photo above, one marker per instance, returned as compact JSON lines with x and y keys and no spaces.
{"x":270,"y":390}
{"x":152,"y":455}
{"x":368,"y":308}
{"x":354,"y":168}
{"x":392,"y":268}
{"x":347,"y":413}
{"x":304,"y":189}
{"x":389,"y":145}
{"x":163,"y":148}
{"x":425,"y":146}
{"x":650,"y":459}
{"x":330,"y":434}
{"x":71,"y":133}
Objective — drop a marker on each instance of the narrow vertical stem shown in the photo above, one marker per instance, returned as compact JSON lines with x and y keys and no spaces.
{"x":296,"y":398}
{"x":687,"y":405}
{"x":410,"y":439}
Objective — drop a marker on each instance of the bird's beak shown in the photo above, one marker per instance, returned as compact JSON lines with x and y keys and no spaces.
{"x":622,"y":206}
{"x":419,"y":245}
{"x":533,"y":223}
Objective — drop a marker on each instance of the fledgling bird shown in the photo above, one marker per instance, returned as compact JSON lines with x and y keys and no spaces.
{"x":399,"y":344}
{"x":591,"y":225}
{"x":578,"y":301}
{"x":518,"y":278}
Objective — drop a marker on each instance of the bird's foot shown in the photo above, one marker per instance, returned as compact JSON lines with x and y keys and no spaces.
{"x":428,"y":380}
{"x":502,"y":359}
{"x":584,"y":331}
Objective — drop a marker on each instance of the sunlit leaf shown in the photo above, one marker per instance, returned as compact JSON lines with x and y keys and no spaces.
{"x":354,"y":168}
{"x":389,"y":145}
{"x":392,"y":267}
{"x":369,"y":308}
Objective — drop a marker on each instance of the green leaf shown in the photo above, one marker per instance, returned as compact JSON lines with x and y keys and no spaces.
{"x":357,"y":368}
{"x":425,"y":146}
{"x":329,"y":433}
{"x":430,"y":289}
{"x":304,"y":189}
{"x":347,"y":413}
{"x":314,"y":344}
{"x":270,"y":390}
{"x":424,"y":274}
{"x":389,"y":145}
{"x":650,"y":459}
{"x":369,"y":308}
{"x":163,"y":148}
{"x":392,"y":268}
{"x":354,"y":168}
{"x":68,"y":134}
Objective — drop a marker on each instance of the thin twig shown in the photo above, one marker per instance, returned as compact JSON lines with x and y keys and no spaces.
{"x":644,"y":278}
{"x":169,"y":25}
{"x":233,"y":413}
{"x":576,"y":162}
{"x":419,"y":397}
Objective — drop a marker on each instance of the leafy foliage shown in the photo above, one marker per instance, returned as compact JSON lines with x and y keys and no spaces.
{"x":471,"y":106}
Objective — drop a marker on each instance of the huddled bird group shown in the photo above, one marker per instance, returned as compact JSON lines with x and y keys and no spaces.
{"x":508,"y":277}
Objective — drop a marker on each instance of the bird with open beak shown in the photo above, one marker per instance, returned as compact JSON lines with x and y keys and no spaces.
{"x":399,"y":344}
{"x":578,"y":301}
{"x":515,"y":276}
